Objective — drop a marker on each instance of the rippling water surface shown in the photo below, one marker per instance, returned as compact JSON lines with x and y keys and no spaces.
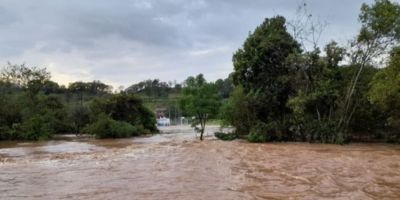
{"x":177,"y":166}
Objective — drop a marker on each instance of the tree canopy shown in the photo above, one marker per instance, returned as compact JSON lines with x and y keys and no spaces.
{"x":201,"y":100}
{"x":284,"y":92}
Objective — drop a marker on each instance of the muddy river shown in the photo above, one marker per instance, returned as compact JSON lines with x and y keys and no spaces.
{"x":175,"y":165}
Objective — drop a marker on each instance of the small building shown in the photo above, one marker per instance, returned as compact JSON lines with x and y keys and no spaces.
{"x":160,"y":112}
{"x":163,"y":121}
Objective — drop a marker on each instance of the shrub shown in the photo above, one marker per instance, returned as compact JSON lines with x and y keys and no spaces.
{"x":259,"y":133}
{"x":226,"y":136}
{"x":239,"y":111}
{"x":5,"y":133}
{"x":324,"y":132}
{"x":125,"y":107}
{"x":143,"y":131}
{"x":36,"y":128}
{"x":123,"y":129}
{"x":105,"y":127}
{"x":148,"y":120}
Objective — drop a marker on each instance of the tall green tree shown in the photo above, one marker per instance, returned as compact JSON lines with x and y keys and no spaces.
{"x":201,"y":100}
{"x":380,"y":31}
{"x":224,"y":87}
{"x":316,"y":81}
{"x":260,"y":67}
{"x":385,"y":92}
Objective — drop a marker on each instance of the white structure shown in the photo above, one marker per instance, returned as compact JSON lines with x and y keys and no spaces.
{"x":163,"y":121}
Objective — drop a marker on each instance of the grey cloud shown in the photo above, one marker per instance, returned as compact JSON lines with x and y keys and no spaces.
{"x":7,"y":17}
{"x":125,"y":41}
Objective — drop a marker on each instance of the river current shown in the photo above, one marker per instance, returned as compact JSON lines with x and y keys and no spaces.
{"x":176,"y":165}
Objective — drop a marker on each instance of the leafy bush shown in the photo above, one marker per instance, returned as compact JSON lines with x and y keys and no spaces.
{"x":226,"y":136}
{"x":143,"y":131}
{"x":239,"y":111}
{"x":36,"y":128}
{"x":105,"y":127}
{"x":79,"y":116}
{"x":324,"y":132}
{"x":125,"y":107}
{"x":148,"y":120}
{"x":259,"y":133}
{"x":6,"y":133}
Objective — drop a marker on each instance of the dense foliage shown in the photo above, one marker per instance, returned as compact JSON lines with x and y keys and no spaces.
{"x":285,"y":93}
{"x":154,"y":88}
{"x":385,"y":93}
{"x":34,"y":108}
{"x":127,"y":108}
{"x":261,"y":69}
{"x":105,"y":127}
{"x":201,"y":100}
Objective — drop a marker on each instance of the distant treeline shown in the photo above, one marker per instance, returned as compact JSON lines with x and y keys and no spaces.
{"x":166,"y":96}
{"x":33,"y":108}
{"x":159,"y":89}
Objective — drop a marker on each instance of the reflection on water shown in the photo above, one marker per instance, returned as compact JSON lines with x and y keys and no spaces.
{"x":175,"y":166}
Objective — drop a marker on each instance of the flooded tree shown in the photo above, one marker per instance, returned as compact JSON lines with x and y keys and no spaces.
{"x":291,"y":94}
{"x":201,"y":100}
{"x":260,"y":67}
{"x":385,"y":92}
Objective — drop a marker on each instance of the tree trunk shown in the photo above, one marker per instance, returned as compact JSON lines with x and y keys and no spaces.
{"x":202,"y":126}
{"x":201,"y":135}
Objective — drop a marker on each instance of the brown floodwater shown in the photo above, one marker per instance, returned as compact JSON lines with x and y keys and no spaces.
{"x":177,"y":166}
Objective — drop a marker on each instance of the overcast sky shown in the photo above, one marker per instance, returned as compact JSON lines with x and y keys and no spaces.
{"x":125,"y":41}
